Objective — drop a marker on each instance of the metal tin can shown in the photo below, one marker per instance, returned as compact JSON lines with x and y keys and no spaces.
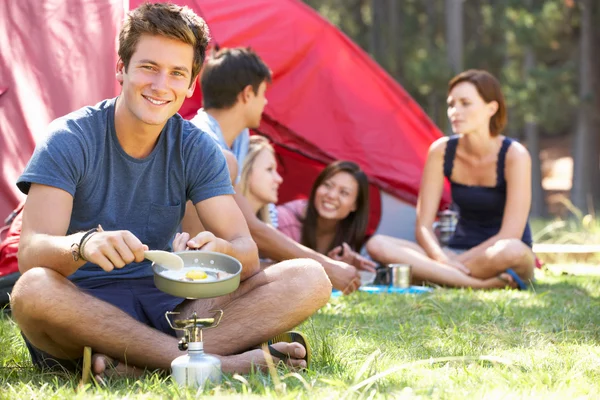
{"x":400,"y":275}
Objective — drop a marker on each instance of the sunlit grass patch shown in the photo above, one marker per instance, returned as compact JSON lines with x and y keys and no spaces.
{"x":449,"y":344}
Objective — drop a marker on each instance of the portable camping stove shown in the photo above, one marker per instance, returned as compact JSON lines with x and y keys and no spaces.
{"x":195,"y":368}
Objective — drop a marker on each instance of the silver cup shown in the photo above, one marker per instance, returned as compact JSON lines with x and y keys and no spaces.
{"x":400,"y":275}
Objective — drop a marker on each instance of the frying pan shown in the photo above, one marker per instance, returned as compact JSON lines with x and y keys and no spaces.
{"x":170,"y":281}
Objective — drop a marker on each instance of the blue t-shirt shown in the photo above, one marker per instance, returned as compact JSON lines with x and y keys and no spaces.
{"x":240,"y":145}
{"x":82,"y":156}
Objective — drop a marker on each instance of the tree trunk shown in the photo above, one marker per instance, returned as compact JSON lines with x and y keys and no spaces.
{"x":362,"y":29}
{"x":596,"y":106}
{"x":395,"y":38}
{"x":538,"y":203}
{"x":454,"y":34}
{"x":585,"y":155}
{"x":433,"y":97}
{"x":377,"y":28}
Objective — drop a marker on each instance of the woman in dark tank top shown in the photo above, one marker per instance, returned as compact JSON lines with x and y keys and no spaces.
{"x":490,"y":177}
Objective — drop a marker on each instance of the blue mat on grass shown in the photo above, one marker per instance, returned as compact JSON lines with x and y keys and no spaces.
{"x":388,"y":289}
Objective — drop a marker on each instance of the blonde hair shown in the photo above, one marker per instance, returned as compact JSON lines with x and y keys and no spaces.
{"x":257,"y":144}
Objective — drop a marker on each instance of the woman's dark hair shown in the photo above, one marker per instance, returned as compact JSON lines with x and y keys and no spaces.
{"x":351,"y":229}
{"x":489,"y":89}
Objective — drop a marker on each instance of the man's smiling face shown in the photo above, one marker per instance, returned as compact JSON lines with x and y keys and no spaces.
{"x":157,"y":80}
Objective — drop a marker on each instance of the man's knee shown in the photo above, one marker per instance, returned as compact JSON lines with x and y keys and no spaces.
{"x":318,"y":281}
{"x":308,"y":279}
{"x":32,"y":293}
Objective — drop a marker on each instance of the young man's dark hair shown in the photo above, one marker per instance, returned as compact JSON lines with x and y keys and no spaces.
{"x":228,"y":72}
{"x":164,"y":19}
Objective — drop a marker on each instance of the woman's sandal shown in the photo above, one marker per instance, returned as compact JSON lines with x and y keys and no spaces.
{"x":515,"y":278}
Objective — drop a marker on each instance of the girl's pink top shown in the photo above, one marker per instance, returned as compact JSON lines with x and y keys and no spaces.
{"x":289,"y":218}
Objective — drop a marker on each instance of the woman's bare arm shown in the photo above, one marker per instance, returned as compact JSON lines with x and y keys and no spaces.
{"x":430,"y":194}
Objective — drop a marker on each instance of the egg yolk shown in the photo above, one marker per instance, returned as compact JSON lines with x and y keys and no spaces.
{"x":196,"y":275}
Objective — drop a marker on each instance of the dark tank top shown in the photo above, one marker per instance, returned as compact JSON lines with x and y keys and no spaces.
{"x":480,"y":207}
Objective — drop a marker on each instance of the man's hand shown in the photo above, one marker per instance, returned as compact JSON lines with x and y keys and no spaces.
{"x":113,"y":249}
{"x":346,"y":254}
{"x":207,"y":241}
{"x":343,"y":276}
{"x":180,"y":241}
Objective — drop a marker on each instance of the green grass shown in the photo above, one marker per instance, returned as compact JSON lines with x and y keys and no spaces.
{"x":450,"y":344}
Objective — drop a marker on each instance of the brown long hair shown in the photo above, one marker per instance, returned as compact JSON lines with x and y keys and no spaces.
{"x":489,"y":89}
{"x":351,"y":229}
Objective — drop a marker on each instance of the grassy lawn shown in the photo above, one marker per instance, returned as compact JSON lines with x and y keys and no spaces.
{"x":450,"y":344}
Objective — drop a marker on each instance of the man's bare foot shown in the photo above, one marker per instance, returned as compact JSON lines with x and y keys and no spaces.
{"x":105,"y":367}
{"x":242,"y":363}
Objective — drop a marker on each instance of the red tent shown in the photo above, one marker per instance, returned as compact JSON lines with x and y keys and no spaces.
{"x":55,"y":57}
{"x":328,"y":99}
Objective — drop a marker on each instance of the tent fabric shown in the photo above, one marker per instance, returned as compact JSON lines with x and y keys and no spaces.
{"x":329,"y":100}
{"x":55,"y":56}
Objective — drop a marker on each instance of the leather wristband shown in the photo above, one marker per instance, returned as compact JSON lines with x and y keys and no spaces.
{"x":77,"y":248}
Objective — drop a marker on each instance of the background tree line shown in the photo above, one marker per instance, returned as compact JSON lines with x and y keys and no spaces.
{"x":541,"y":50}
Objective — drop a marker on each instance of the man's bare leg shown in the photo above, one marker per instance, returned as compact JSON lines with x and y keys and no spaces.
{"x":60,"y":319}
{"x":275,"y":300}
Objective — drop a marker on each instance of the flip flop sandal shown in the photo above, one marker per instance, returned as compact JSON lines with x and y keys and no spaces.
{"x":521,"y":285}
{"x":289,"y":337}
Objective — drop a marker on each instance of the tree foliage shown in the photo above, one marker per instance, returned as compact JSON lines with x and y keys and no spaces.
{"x":496,"y":34}
{"x":532,"y":46}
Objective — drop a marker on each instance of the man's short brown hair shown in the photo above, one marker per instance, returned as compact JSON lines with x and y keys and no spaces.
{"x":168,"y":20}
{"x":228,"y":72}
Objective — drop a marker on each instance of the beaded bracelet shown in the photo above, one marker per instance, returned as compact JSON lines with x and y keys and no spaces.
{"x":77,"y":248}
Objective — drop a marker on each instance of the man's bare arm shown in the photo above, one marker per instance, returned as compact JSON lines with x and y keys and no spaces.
{"x":191,"y":223}
{"x":227,"y":232}
{"x":45,"y":222}
{"x":43,"y":242}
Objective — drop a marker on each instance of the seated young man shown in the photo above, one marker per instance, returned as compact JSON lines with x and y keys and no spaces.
{"x":130,"y":164}
{"x":234,"y":82}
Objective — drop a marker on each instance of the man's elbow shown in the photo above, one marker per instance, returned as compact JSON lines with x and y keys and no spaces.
{"x":23,"y":259}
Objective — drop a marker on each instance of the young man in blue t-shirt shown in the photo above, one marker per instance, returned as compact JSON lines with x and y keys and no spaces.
{"x":234,"y":82}
{"x":111,"y":181}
